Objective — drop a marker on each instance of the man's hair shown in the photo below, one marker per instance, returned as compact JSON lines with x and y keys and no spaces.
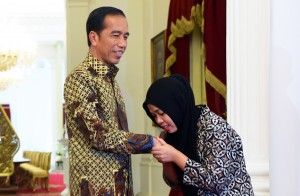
{"x":95,"y":21}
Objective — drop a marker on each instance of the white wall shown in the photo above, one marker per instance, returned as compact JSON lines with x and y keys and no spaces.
{"x":33,"y":106}
{"x":285,"y":98}
{"x":36,"y":103}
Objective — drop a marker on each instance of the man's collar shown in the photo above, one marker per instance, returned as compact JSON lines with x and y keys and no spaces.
{"x":99,"y":68}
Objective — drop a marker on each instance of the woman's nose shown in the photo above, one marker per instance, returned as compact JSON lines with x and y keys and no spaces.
{"x":159,"y":119}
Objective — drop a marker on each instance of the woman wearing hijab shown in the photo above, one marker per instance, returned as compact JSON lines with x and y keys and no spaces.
{"x":201,"y":153}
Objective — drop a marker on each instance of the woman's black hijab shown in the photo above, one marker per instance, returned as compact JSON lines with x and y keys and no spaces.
{"x":175,"y":97}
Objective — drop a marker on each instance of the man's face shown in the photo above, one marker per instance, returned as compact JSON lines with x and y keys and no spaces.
{"x":111,"y":43}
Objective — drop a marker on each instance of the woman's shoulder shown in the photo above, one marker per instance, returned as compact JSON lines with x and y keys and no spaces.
{"x":209,"y":116}
{"x":205,"y":111}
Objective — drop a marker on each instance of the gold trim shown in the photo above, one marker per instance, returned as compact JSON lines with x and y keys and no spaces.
{"x":9,"y":146}
{"x":185,"y":27}
{"x":215,"y":83}
{"x":181,"y":28}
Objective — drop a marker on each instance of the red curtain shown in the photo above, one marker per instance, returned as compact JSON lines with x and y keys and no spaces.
{"x":7,"y":110}
{"x":177,"y":52}
{"x":182,"y":62}
{"x":215,"y":45}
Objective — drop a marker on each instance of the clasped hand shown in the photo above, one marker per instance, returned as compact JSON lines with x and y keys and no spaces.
{"x":162,"y":151}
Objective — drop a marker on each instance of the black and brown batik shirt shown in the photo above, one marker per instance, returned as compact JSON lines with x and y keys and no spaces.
{"x":222,"y":167}
{"x":99,"y":142}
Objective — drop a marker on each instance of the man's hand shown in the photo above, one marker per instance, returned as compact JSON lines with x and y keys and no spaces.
{"x":156,"y":141}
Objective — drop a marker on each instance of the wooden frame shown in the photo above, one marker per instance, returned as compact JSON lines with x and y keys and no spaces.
{"x":158,"y":44}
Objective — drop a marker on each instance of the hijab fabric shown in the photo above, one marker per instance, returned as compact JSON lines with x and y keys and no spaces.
{"x":175,"y":97}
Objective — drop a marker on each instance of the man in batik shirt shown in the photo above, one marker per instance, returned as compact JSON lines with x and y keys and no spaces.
{"x":99,"y":141}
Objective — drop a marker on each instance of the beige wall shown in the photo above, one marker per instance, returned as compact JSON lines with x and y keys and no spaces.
{"x":76,"y":15}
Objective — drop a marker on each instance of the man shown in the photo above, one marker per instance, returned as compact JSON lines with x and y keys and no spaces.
{"x":99,"y":142}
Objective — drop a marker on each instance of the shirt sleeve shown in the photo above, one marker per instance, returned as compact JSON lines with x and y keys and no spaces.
{"x":84,"y":107}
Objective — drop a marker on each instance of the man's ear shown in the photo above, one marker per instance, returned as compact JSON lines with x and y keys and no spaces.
{"x":93,"y":36}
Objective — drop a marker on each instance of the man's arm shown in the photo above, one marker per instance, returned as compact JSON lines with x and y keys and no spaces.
{"x":85,"y":109}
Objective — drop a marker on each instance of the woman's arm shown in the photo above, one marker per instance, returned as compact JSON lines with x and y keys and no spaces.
{"x":167,"y":154}
{"x":169,"y":173}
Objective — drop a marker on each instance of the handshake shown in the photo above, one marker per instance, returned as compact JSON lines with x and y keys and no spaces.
{"x":163,"y":151}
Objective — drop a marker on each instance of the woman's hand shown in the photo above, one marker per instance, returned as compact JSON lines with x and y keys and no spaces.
{"x":165,"y":153}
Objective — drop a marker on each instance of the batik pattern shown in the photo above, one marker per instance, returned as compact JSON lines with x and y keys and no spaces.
{"x":222,"y":169}
{"x":99,"y":142}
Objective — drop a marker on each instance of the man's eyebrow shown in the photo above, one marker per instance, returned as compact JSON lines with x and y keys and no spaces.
{"x":119,"y":32}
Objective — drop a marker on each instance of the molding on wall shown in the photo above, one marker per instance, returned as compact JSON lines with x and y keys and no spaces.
{"x":151,"y":173}
{"x":260,"y":177}
{"x":247,"y":83}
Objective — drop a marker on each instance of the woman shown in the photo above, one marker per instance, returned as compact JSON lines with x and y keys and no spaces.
{"x":201,"y":153}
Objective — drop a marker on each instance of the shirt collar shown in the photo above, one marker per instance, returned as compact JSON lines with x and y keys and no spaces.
{"x":99,"y":68}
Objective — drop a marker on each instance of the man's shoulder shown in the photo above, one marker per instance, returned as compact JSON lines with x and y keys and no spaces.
{"x":79,"y":69}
